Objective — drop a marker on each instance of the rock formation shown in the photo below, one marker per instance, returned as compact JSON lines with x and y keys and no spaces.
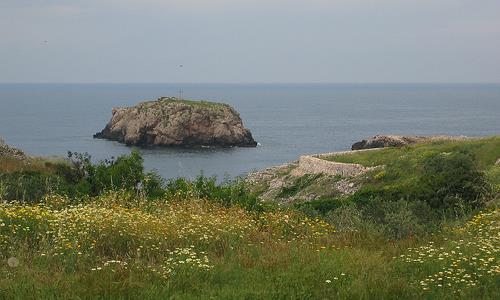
{"x":174,"y":122}
{"x":6,"y":151}
{"x":381,"y":141}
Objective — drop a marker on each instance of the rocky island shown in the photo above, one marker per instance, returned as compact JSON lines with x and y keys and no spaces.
{"x":170,"y":121}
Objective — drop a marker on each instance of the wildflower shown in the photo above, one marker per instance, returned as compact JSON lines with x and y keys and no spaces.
{"x":13,"y":262}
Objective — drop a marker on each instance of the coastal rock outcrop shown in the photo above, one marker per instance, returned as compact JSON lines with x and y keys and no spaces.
{"x":10,"y":152}
{"x":174,"y":122}
{"x":382,"y":141}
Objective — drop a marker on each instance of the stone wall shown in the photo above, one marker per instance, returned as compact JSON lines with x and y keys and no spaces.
{"x":316,"y":164}
{"x":313,"y":165}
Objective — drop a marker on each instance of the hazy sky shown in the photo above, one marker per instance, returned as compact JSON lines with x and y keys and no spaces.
{"x":250,"y":41}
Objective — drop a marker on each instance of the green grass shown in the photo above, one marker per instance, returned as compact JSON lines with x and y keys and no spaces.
{"x":271,"y":256}
{"x":418,"y":187}
{"x":201,"y":240}
{"x":162,"y":101}
{"x":403,"y":165}
{"x":486,"y":151}
{"x":299,"y":184}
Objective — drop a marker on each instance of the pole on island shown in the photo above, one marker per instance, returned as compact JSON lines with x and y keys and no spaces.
{"x":180,"y":89}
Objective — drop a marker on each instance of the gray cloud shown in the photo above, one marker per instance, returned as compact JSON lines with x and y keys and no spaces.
{"x":250,"y":41}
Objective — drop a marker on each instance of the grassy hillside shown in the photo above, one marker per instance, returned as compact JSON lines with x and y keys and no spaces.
{"x":117,"y":234}
{"x":407,"y":170}
{"x":116,"y":246}
{"x":486,"y":151}
{"x":407,"y":160}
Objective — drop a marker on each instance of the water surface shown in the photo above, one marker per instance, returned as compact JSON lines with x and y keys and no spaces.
{"x":286,"y":120}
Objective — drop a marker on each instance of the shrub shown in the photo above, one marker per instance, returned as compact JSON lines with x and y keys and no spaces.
{"x":346,"y":218}
{"x":81,"y":178}
{"x":400,"y":220}
{"x":30,"y":186}
{"x":450,"y":181}
{"x":228,"y":193}
{"x":320,"y":206}
{"x":152,"y":186}
{"x":123,"y":173}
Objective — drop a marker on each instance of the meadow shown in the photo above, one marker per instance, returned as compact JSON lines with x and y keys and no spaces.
{"x":112,"y":231}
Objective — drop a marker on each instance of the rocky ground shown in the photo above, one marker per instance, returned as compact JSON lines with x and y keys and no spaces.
{"x":282,"y":185}
{"x":381,"y":141}
{"x":10,"y":152}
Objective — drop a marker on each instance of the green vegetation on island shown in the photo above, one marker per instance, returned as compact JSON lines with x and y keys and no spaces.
{"x":424,"y":226}
{"x":162,"y":101}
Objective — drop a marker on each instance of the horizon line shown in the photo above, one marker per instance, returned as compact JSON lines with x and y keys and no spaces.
{"x":259,"y":83}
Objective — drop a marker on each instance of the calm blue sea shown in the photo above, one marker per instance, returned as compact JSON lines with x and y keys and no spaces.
{"x":287,"y":120}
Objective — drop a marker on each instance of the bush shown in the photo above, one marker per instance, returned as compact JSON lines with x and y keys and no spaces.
{"x":81,"y":178}
{"x":346,"y":218}
{"x":30,"y":186}
{"x":124,"y":173}
{"x":450,"y":181}
{"x":228,"y":193}
{"x":400,"y":220}
{"x":152,"y":186}
{"x":320,"y":206}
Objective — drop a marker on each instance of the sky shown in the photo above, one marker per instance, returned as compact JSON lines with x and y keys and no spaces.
{"x":250,"y":41}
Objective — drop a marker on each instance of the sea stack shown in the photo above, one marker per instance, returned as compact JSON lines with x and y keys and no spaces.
{"x":170,"y":121}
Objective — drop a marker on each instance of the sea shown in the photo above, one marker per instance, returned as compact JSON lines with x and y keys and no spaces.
{"x":287,"y":120}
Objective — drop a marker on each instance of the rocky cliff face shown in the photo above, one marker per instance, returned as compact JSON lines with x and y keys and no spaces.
{"x":173,"y":122}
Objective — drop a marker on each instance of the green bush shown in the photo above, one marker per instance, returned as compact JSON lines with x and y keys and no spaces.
{"x":346,"y":218}
{"x":320,"y":206}
{"x":398,"y":219}
{"x":123,"y":173}
{"x":152,"y":186}
{"x":228,"y":193}
{"x":31,"y":186}
{"x":82,"y":178}
{"x":447,"y":182}
{"x":450,"y":181}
